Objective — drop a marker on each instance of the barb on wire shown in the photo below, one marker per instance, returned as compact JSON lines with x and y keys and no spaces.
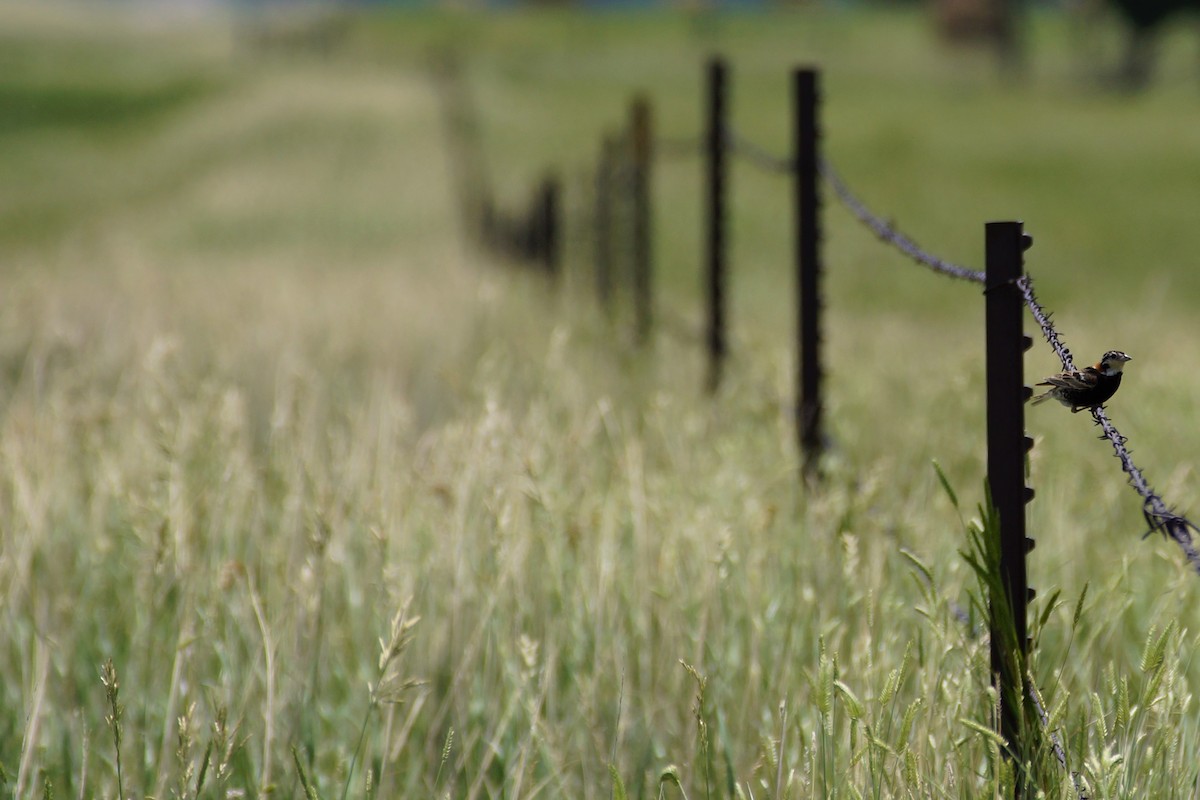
{"x":756,"y":154}
{"x":888,"y":233}
{"x":1043,"y":319}
{"x":1158,"y":515}
{"x":1055,"y":742}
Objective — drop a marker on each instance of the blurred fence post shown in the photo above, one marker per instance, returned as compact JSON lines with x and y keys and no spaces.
{"x":1006,"y":449}
{"x":641,"y":143}
{"x":549,"y":229}
{"x":715,"y":173}
{"x":603,"y":230}
{"x":809,"y":403}
{"x":468,"y":168}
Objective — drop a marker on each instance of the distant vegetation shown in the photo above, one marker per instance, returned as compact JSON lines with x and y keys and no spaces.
{"x":303,"y":496}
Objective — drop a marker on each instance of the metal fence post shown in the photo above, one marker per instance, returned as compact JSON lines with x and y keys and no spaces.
{"x":1006,"y":449}
{"x":809,"y":406}
{"x":643,"y":280}
{"x":550,"y":240}
{"x":604,"y":222}
{"x":715,"y":173}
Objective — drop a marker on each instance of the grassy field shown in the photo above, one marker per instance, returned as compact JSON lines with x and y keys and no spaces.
{"x":264,"y":415}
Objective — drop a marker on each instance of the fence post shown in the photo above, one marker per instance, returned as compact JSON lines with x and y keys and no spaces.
{"x":469,"y":171}
{"x":604,"y":222}
{"x":715,"y":211}
{"x":643,"y":279}
{"x":809,"y":407}
{"x":549,"y":241}
{"x":1006,"y":449}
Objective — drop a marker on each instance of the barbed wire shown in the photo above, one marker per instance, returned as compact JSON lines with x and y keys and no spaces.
{"x":1043,"y":319}
{"x":888,"y":233}
{"x":1158,"y":515}
{"x":678,"y":146}
{"x":756,"y":154}
{"x":1056,"y":745}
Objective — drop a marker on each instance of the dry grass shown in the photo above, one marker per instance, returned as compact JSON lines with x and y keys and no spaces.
{"x":260,"y":411}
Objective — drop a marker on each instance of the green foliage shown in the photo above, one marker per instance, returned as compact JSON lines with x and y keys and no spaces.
{"x":255,"y":395}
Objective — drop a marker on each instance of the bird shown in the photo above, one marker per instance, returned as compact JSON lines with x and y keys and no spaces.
{"x":1086,"y":388}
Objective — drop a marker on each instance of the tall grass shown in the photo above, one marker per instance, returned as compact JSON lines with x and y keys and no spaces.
{"x":260,"y":411}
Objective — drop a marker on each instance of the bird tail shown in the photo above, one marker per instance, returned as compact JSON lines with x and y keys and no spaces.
{"x":1043,"y":397}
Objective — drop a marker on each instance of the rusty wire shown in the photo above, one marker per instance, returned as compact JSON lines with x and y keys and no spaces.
{"x":1158,"y":515}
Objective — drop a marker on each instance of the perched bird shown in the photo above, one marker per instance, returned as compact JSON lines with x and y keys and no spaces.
{"x":1088,"y":387}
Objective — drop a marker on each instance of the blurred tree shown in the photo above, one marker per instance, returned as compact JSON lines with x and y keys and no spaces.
{"x":1143,"y":18}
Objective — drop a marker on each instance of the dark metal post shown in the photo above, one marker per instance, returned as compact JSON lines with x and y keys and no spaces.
{"x":641,"y":144}
{"x":604,"y":222}
{"x":715,"y":211}
{"x":1007,"y":446}
{"x":808,"y":265}
{"x":550,"y":244}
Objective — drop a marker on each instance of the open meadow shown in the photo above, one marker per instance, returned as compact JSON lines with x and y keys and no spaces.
{"x":301,"y":495}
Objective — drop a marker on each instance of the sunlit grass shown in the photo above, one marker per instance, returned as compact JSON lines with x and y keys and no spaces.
{"x":303,"y":496}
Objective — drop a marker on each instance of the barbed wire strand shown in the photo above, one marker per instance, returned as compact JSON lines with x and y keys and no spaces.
{"x":888,"y":233}
{"x":1055,"y":742}
{"x":756,"y":154}
{"x":1043,"y":319}
{"x":1158,"y":515}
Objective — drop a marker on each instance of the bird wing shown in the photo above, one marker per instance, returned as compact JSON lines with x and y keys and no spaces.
{"x":1077,"y":380}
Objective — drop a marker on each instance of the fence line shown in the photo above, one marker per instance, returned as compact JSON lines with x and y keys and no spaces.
{"x":624,"y":169}
{"x":535,"y":236}
{"x":757,"y":155}
{"x":1159,"y":516}
{"x":1157,"y":513}
{"x":1043,"y":318}
{"x":887,"y":232}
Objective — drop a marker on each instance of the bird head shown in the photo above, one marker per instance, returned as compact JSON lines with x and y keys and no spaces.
{"x":1113,"y":362}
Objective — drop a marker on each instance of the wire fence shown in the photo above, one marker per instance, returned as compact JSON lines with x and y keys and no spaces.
{"x":888,"y":233}
{"x":759,"y":156}
{"x":1159,"y":516}
{"x":622,"y":178}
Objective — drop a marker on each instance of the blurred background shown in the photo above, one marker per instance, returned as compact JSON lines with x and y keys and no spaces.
{"x":265,"y":374}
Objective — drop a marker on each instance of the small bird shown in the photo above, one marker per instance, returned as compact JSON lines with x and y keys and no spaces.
{"x":1089,"y":387}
